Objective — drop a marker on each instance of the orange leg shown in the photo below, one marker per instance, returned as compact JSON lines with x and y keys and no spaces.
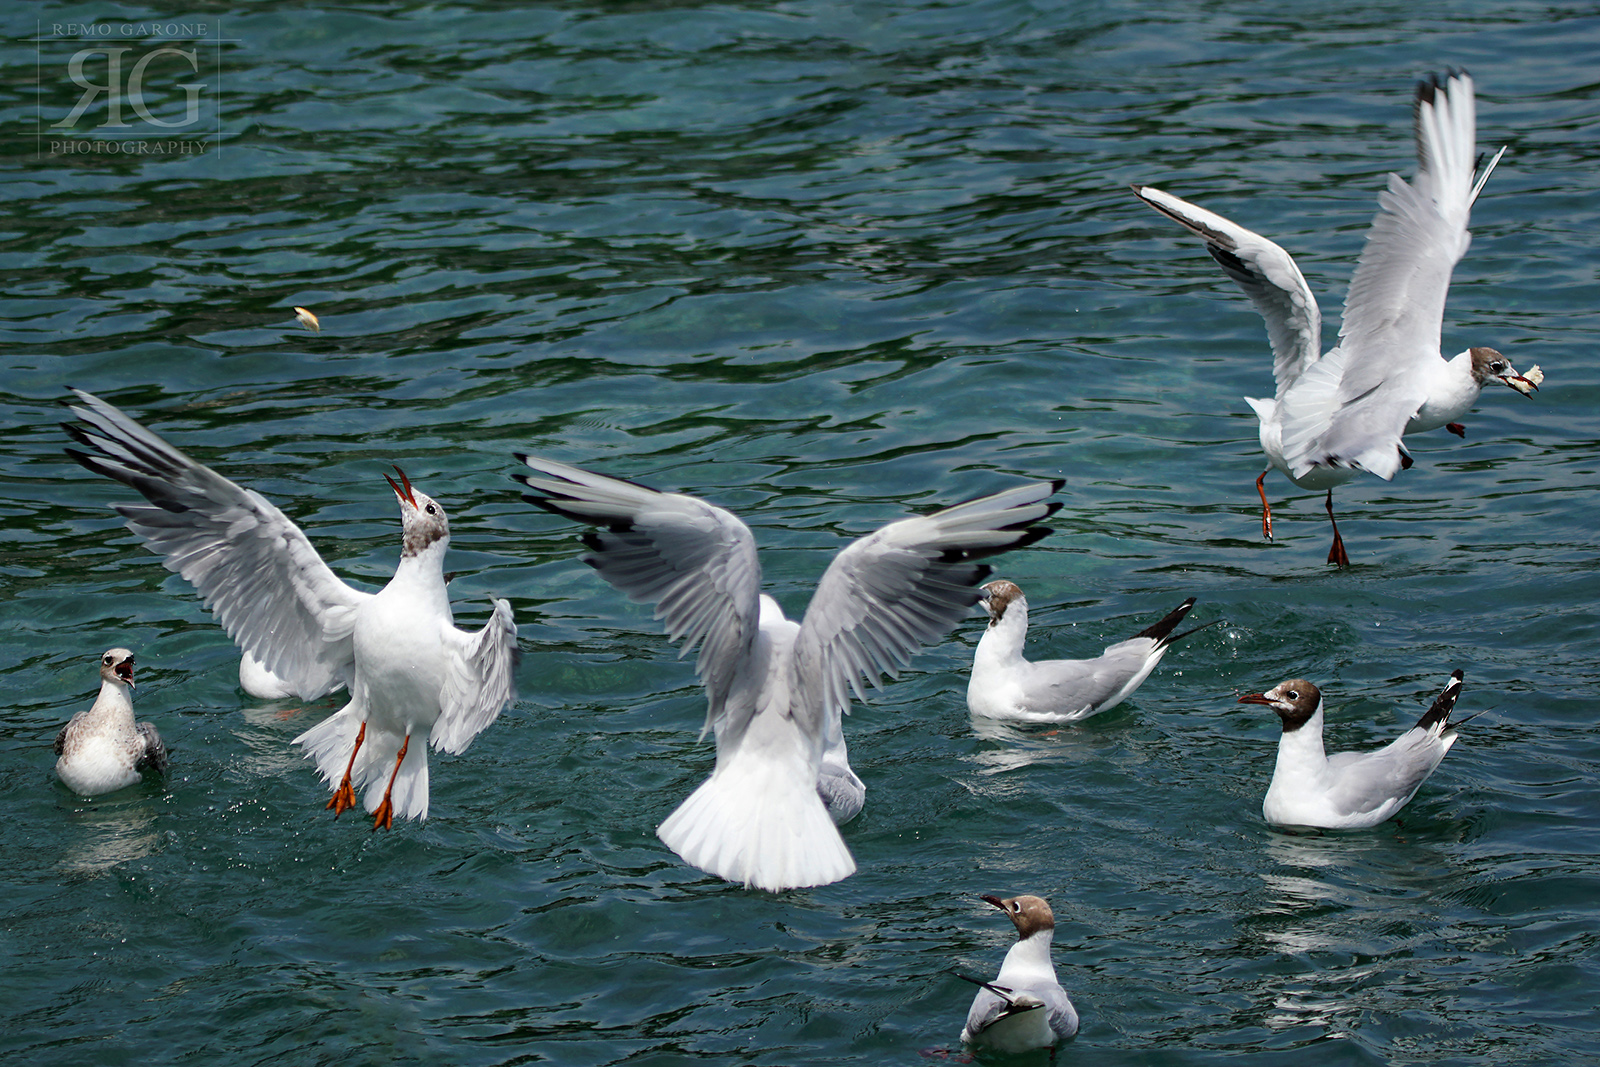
{"x":384,"y":815}
{"x":345,"y":796}
{"x":1336,"y":553}
{"x":1266,"y":509}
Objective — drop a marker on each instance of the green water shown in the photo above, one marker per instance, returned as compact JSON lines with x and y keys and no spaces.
{"x":825,"y":265}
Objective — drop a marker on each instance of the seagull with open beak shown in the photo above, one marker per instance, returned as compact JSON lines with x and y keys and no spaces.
{"x":408,"y":668}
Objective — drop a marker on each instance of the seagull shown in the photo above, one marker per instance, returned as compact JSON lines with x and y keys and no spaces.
{"x":1338,"y":414}
{"x":407,"y":666}
{"x":1004,"y":685}
{"x":103,"y":749}
{"x":1348,"y":790}
{"x":1024,"y":1007}
{"x":776,"y":688}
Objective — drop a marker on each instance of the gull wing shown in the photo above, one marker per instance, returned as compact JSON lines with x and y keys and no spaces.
{"x":1394,"y":773}
{"x":1267,"y":274}
{"x":154,"y":753}
{"x":480,"y":679}
{"x":252,"y":567}
{"x":694,"y":561}
{"x":893,"y":591}
{"x":1394,"y":311}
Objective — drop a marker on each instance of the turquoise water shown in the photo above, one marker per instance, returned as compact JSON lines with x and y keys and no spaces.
{"x":824,"y":265}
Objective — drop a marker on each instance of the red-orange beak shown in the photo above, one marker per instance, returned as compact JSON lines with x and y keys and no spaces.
{"x":1255,"y":698}
{"x":404,"y":494}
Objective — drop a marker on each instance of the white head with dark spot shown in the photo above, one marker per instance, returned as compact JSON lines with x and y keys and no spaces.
{"x":1295,"y":701}
{"x":1489,"y":365}
{"x":422,"y":519}
{"x":116,"y":667}
{"x":1000,"y":595}
{"x":1029,"y":914}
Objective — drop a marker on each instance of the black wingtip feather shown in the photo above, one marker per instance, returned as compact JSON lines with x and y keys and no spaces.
{"x":1168,"y":622}
{"x":1439,"y":713}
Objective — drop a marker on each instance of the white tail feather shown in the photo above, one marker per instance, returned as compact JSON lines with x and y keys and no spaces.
{"x":329,"y":744}
{"x":759,"y":822}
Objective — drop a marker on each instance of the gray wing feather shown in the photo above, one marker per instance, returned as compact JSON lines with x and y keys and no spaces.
{"x":253,"y":567}
{"x":893,"y":591}
{"x":1368,"y":780}
{"x":1394,"y":311}
{"x":1267,"y":274}
{"x":480,"y":679}
{"x":1066,"y":685}
{"x":694,"y":561}
{"x":989,"y":1007}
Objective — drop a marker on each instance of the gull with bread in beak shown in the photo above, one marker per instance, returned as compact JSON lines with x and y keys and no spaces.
{"x":1337,"y":414}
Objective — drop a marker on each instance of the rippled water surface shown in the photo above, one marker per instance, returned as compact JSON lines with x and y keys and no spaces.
{"x":826,"y":265}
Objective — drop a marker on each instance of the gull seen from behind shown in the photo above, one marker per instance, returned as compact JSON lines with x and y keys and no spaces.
{"x":1024,"y":1008}
{"x":776,"y":689}
{"x":406,"y":665}
{"x":1344,"y":412}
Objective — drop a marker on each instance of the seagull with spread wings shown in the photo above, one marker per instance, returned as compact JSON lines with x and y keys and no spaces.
{"x":1338,"y":414}
{"x":406,"y":665}
{"x":776,"y":688}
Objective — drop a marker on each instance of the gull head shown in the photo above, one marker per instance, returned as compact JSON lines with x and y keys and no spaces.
{"x":999,"y":595}
{"x":1295,"y":701}
{"x":117,"y":666}
{"x":1029,"y":914}
{"x":1489,"y":365}
{"x":422,"y":519}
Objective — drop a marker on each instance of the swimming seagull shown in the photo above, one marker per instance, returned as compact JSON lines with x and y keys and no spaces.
{"x":103,"y":749}
{"x":398,"y":651}
{"x":775,"y":688}
{"x":1348,"y":790}
{"x":1004,"y":685}
{"x":1337,"y":414}
{"x":1024,"y":1007}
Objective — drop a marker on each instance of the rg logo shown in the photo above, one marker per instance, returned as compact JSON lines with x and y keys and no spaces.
{"x":131,"y":92}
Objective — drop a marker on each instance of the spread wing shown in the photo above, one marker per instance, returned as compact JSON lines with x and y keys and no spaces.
{"x":252,"y":567}
{"x":1267,"y":274}
{"x":480,"y":679}
{"x":893,"y":591}
{"x":1394,"y":311}
{"x":695,"y":562}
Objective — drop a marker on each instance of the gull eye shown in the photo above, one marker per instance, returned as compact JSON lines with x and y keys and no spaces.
{"x":1497,"y":366}
{"x":1294,"y":694}
{"x":108,"y":661}
{"x":431,"y":510}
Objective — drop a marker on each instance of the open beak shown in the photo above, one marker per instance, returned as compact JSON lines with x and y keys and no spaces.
{"x":124,"y":670}
{"x":404,"y":494}
{"x":1521,"y":383}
